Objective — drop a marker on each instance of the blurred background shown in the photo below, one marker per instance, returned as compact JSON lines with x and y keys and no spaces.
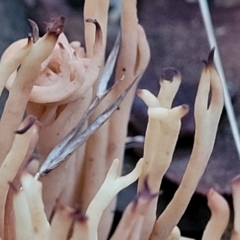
{"x":177,"y":38}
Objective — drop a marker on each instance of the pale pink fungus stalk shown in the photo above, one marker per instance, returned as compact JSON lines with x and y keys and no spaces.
{"x":220,"y":214}
{"x":236,"y":200}
{"x":133,"y":59}
{"x":67,"y":223}
{"x":161,"y":137}
{"x":62,"y":92}
{"x":206,"y":119}
{"x":20,"y":152}
{"x":23,"y":85}
{"x":175,"y":234}
{"x":132,"y":220}
{"x":109,"y":189}
{"x":61,"y":222}
{"x":65,"y":82}
{"x":30,"y":56}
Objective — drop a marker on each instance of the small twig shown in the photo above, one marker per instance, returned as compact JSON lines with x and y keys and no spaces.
{"x":62,"y":151}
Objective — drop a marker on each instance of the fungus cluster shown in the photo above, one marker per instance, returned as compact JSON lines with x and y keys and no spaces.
{"x":60,"y":168}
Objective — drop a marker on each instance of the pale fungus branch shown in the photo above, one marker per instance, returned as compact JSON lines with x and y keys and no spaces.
{"x":14,"y":61}
{"x":236,"y":199}
{"x":23,"y":84}
{"x":206,"y":119}
{"x":132,"y":219}
{"x":132,"y":60}
{"x":169,"y":83}
{"x":61,"y":222}
{"x":32,"y":189}
{"x":169,"y":122}
{"x":22,"y":217}
{"x":169,"y":89}
{"x":162,"y":130}
{"x":80,"y":227}
{"x":95,"y":10}
{"x":21,"y":150}
{"x":109,"y":189}
{"x":175,"y":234}
{"x":220,"y":214}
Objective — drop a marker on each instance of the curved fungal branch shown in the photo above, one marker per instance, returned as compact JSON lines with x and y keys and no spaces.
{"x":236,"y":199}
{"x":206,"y":120}
{"x":35,"y":30}
{"x":220,"y":214}
{"x":21,"y":150}
{"x":161,"y":136}
{"x":23,"y":84}
{"x":109,"y":189}
{"x":131,"y":222}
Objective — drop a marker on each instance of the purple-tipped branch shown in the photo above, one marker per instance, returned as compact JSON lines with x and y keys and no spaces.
{"x":131,"y":223}
{"x":61,"y":223}
{"x":206,"y":119}
{"x":30,"y":121}
{"x":21,"y":89}
{"x":161,"y":136}
{"x":109,"y":189}
{"x":21,"y":150}
{"x":80,"y":227}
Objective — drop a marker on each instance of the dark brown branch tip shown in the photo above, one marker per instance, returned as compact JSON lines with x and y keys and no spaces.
{"x":145,"y":193}
{"x":170,"y":73}
{"x":35,"y":30}
{"x":204,"y":61}
{"x":30,"y":121}
{"x":79,"y":216}
{"x":98,"y":34}
{"x":56,"y":25}
{"x":13,"y":187}
{"x":32,"y":23}
{"x":91,"y":20}
{"x":211,"y":57}
{"x":61,"y":45}
{"x":209,"y":61}
{"x":94,"y":21}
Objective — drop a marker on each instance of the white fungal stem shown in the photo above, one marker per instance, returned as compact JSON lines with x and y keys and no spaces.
{"x":220,"y":214}
{"x":109,"y":189}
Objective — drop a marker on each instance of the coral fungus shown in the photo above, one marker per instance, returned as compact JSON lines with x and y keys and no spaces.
{"x":68,"y":151}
